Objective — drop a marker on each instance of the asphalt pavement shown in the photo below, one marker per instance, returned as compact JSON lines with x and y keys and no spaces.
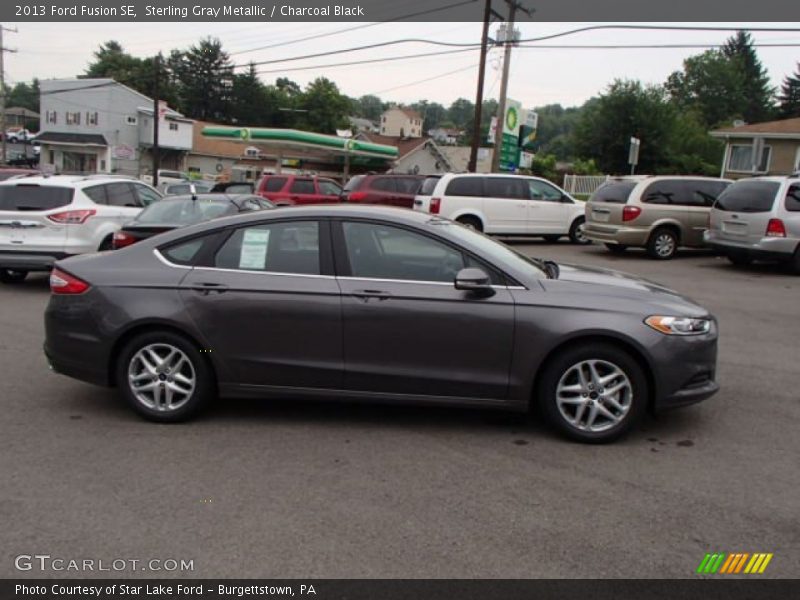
{"x":312,"y":489}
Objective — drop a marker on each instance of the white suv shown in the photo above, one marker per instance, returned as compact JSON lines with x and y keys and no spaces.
{"x":506,"y":205}
{"x":44,"y":219}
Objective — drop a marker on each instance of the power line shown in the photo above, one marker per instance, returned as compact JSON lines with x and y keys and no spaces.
{"x":644,"y":46}
{"x":439,"y":76}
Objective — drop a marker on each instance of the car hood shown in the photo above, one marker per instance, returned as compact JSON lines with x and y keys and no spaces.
{"x":595,"y":281}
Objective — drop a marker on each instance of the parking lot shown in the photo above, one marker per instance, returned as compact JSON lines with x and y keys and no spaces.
{"x":301,"y":489}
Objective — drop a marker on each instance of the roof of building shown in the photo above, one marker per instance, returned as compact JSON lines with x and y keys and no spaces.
{"x":404,"y":145}
{"x":58,"y":137}
{"x":782,"y":128}
{"x":411,"y":114}
{"x":19,"y":111}
{"x":458,"y":157}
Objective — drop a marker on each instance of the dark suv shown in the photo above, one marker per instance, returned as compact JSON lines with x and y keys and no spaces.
{"x":392,"y":190}
{"x":290,"y":190}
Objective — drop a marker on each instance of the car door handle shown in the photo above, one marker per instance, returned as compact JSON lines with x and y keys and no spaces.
{"x":207,"y":287}
{"x":367,"y":294}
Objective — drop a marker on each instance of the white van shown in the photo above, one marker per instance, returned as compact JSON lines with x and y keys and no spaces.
{"x":506,"y":205}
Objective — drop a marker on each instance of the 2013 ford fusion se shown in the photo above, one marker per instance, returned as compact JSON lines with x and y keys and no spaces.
{"x":378,"y":303}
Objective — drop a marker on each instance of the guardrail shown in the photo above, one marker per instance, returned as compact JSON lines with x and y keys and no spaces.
{"x":584,"y":184}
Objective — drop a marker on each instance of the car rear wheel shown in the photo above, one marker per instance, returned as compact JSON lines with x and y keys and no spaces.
{"x":663,"y":244}
{"x":471,"y":222}
{"x":163,"y":377}
{"x":616,"y":248}
{"x":593,"y":393}
{"x":795,"y":262}
{"x":12,"y":276}
{"x":576,"y":233}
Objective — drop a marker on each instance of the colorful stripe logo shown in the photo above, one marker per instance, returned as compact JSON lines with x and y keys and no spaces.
{"x":734,"y":563}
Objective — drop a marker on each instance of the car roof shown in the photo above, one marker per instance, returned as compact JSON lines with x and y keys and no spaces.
{"x":773,"y":178}
{"x":68,"y":180}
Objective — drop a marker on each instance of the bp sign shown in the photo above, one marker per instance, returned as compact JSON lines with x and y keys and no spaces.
{"x":509,"y":145}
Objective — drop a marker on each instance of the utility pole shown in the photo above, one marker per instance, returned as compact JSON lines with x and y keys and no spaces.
{"x":3,"y":50}
{"x":472,"y":166}
{"x":501,"y":103}
{"x":156,"y":119}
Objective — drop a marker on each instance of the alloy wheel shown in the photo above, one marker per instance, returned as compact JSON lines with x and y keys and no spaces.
{"x":664,"y":245}
{"x":161,"y":377}
{"x":594,"y":395}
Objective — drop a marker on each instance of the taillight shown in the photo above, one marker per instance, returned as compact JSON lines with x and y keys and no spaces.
{"x":64,"y":283}
{"x":776,"y":228}
{"x":436,"y":204}
{"x":356,"y":196}
{"x":629,"y":213}
{"x":122,"y":239}
{"x":72,"y":217}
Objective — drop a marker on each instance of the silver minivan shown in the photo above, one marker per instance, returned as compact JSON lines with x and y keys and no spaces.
{"x":758,"y":219}
{"x":658,"y":213}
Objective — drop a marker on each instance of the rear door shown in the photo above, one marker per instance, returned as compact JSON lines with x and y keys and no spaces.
{"x":24,"y":222}
{"x":268,"y":303}
{"x":303,"y":190}
{"x":330,"y":192}
{"x":382,"y":190}
{"x":546,"y":212}
{"x":407,"y":330}
{"x":123,"y":202}
{"x":272,"y":188}
{"x":506,"y":204}
{"x":743,"y":211}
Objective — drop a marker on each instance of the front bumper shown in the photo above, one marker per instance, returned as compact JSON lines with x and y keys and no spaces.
{"x":686,"y":371}
{"x":30,"y":261}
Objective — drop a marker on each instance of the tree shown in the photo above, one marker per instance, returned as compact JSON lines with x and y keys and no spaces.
{"x":790,"y":95}
{"x":758,"y":93}
{"x":627,"y":109}
{"x":369,"y":107}
{"x":327,"y":108}
{"x":249,"y":101}
{"x":204,"y":75}
{"x":712,"y":85}
{"x":461,"y":113}
{"x":24,"y":95}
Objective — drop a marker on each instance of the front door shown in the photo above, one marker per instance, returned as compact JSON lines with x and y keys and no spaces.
{"x":407,"y":330}
{"x":266,"y":305}
{"x":546,"y":212}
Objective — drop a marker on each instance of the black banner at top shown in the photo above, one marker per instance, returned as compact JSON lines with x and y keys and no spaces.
{"x":601,"y":11}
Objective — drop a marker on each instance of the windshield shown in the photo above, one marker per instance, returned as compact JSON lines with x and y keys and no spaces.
{"x":183,"y":211}
{"x":748,"y":196}
{"x":495,"y":252}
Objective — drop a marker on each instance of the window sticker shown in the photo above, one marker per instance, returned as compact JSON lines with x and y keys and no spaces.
{"x":254,"y":249}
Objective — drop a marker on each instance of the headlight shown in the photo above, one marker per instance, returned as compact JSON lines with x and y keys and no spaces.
{"x":679,"y":325}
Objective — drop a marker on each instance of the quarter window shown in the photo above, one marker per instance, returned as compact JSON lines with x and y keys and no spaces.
{"x":793,"y":198}
{"x":465,"y":186}
{"x":384,"y":252}
{"x":291,"y":247}
{"x":185,"y":253}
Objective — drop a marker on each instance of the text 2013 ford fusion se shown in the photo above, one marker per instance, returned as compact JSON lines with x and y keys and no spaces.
{"x":377,"y":303}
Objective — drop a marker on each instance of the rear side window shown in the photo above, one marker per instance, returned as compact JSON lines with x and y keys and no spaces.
{"x":616,"y":192}
{"x":279,"y":248}
{"x":408,"y":185}
{"x":506,"y":187}
{"x":329,"y":187}
{"x":465,"y":186}
{"x":383,"y":184}
{"x":33,"y":197}
{"x":665,"y":192}
{"x":748,"y":196}
{"x":302,"y":186}
{"x":274,"y":184}
{"x":97,"y":193}
{"x":428,"y":186}
{"x":354,"y":183}
{"x":793,"y":198}
{"x":186,"y":252}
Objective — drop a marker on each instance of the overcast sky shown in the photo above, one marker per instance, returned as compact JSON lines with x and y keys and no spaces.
{"x":538,"y":76}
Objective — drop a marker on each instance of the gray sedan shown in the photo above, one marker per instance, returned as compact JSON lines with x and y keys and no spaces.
{"x":374,"y":303}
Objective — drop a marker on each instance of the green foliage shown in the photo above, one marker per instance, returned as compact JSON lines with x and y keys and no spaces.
{"x":756,"y":89}
{"x":24,"y":95}
{"x":326,"y":107}
{"x":369,"y":107}
{"x":544,"y":165}
{"x":790,"y":95}
{"x":204,"y":78}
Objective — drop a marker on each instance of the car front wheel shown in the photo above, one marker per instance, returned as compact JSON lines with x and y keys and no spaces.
{"x":576,"y":232}
{"x":12,"y":276}
{"x":593,"y":393}
{"x":163,"y":377}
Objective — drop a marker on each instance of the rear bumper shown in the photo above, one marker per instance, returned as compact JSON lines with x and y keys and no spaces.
{"x":627,"y":236}
{"x":30,"y":261}
{"x":76,"y":369}
{"x":766,"y":248}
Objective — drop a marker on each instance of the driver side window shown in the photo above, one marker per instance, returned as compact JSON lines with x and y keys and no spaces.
{"x":379,"y":251}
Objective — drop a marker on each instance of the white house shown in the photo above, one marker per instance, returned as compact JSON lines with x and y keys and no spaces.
{"x":402,"y":123}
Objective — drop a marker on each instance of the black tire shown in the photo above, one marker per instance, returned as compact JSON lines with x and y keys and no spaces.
{"x":740,"y":260}
{"x":12,"y":276}
{"x":107,"y":244}
{"x":564,"y":364}
{"x":471,"y":222}
{"x":551,"y":239}
{"x":616,"y":248}
{"x":663,"y":243}
{"x":204,"y":388}
{"x":576,"y":235}
{"x":794,"y":264}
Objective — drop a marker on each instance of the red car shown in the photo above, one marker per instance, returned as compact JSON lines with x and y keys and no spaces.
{"x":290,"y":190}
{"x":391,"y":190}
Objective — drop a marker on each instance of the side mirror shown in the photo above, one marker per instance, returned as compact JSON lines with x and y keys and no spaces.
{"x":474,"y":280}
